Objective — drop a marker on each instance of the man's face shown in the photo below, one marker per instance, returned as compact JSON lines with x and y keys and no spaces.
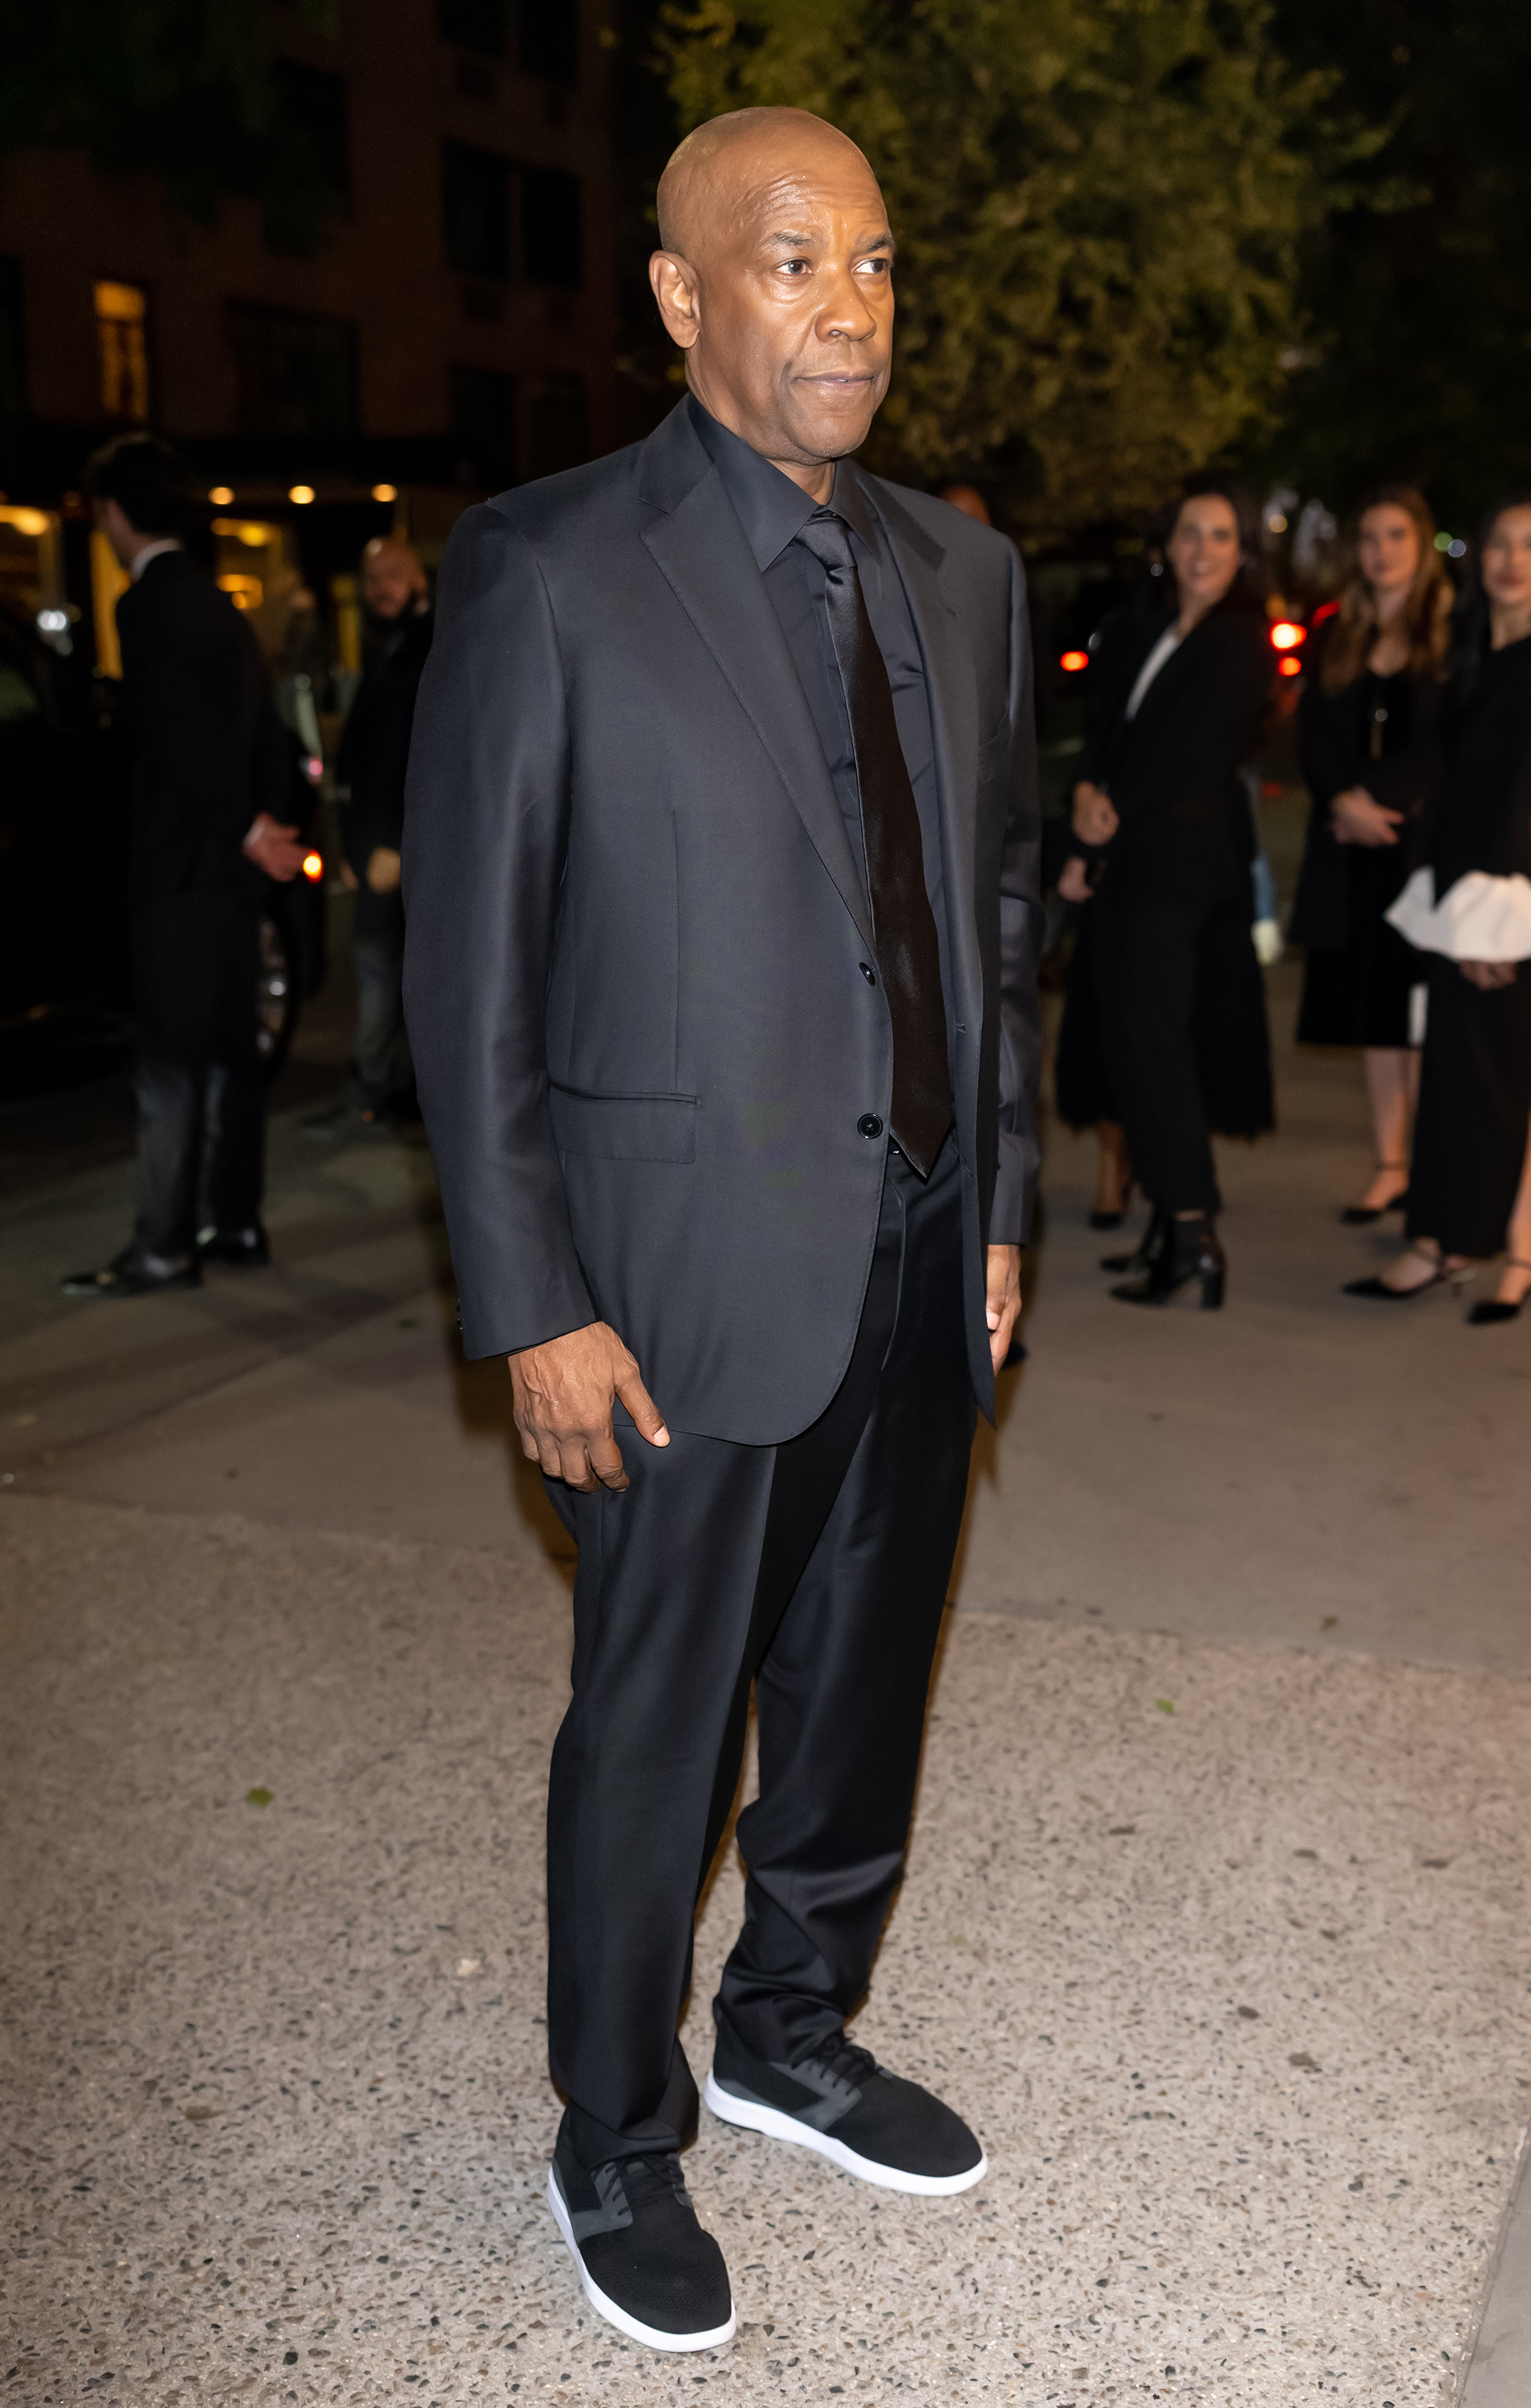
{"x":787,"y":316}
{"x":391,"y":579}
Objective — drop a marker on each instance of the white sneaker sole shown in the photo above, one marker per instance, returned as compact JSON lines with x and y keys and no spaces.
{"x":648,"y":2334}
{"x":778,"y":2127}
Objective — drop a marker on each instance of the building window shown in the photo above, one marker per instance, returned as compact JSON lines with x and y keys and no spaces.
{"x":295,"y":374}
{"x":549,"y":39}
{"x":313,"y":182}
{"x":475,"y":211}
{"x":477,"y":24}
{"x":483,"y":421}
{"x":315,"y":107}
{"x":122,"y":336}
{"x":550,"y":236}
{"x":560,"y":428}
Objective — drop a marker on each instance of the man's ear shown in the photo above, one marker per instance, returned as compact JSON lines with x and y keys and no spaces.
{"x":675,"y":288}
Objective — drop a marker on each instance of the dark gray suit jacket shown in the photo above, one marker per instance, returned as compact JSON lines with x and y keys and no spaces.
{"x":641,"y":1032}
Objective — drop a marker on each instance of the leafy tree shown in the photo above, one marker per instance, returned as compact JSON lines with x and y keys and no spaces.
{"x":1418,"y":287}
{"x":1099,"y":205}
{"x":181,"y":89}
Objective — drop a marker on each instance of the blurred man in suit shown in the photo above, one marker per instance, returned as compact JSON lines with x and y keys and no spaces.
{"x":720,"y":974}
{"x":212,"y":776}
{"x":369,"y":771}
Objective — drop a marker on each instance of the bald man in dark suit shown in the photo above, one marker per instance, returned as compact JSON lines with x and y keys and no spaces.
{"x":720,"y":870}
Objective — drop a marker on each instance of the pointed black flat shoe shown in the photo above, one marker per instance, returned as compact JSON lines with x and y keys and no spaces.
{"x":1107,"y":1220}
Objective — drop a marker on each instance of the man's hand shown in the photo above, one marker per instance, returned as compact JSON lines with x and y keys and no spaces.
{"x":277,"y":849}
{"x":384,"y":868}
{"x":563,"y":1394}
{"x":1358,"y":817}
{"x":1095,"y":820}
{"x":1074,"y":885}
{"x":1002,"y":1305}
{"x":1486,"y":976}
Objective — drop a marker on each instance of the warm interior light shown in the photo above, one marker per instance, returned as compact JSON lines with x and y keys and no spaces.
{"x":1291,"y":667}
{"x":300,"y":493}
{"x":385,"y":493}
{"x":245,"y":593}
{"x":25,"y":522}
{"x":1073,"y":662}
{"x":220,"y":497}
{"x":1286,"y":635}
{"x":313,"y":865}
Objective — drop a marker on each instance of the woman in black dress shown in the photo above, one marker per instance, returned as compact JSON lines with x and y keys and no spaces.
{"x":1164,"y":812}
{"x":1470,"y":909}
{"x":1368,"y":727}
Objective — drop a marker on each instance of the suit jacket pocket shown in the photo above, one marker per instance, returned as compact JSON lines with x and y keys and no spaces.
{"x":624,"y":1128}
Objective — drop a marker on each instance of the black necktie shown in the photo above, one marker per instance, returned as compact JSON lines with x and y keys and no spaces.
{"x":907,"y":953}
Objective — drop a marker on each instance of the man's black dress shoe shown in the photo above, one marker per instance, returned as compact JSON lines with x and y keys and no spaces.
{"x":647,"y":2266}
{"x":840,"y":2102}
{"x":247,"y":1249}
{"x":130,"y":1274}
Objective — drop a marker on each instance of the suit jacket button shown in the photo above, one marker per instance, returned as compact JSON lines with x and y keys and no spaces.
{"x":869,"y":1125}
{"x":868,"y":973}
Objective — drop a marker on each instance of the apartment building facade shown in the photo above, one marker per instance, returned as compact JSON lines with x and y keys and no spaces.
{"x":453,"y":331}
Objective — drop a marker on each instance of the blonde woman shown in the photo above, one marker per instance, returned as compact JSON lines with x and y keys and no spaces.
{"x":1468,"y":909}
{"x":1368,"y":726}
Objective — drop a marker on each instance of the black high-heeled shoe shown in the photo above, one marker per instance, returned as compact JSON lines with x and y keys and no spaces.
{"x":1191,"y":1252}
{"x":1490,"y":1310}
{"x":1361,"y":1216}
{"x":1149,"y":1246}
{"x":1380,"y":1291}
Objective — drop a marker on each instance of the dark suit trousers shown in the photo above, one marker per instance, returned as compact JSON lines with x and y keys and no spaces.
{"x":382,"y":1072}
{"x":197,"y":1070}
{"x":818,"y":1570}
{"x":1147,"y":957}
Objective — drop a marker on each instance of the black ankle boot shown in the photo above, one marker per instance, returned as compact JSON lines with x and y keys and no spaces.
{"x":1150,"y":1245}
{"x":1191,"y":1252}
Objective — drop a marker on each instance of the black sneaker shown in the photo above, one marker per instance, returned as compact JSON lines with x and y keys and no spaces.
{"x":247,"y":1249}
{"x":645,"y":2264}
{"x":131,"y":1274}
{"x":839,"y":2101}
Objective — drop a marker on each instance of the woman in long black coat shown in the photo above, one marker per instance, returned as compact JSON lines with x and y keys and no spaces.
{"x":1162,"y":810}
{"x":1469,"y":909}
{"x":1368,"y":726}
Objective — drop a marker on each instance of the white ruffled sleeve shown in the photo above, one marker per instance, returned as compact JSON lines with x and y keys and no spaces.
{"x":1479,"y":918}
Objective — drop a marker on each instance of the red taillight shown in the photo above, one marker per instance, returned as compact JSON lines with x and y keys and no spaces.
{"x":1286,"y":635}
{"x":313,"y":865}
{"x":1291,"y":667}
{"x":1074,"y":662}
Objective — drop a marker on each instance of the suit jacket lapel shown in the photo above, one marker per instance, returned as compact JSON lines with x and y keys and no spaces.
{"x":953,"y":693}
{"x":700,"y":548}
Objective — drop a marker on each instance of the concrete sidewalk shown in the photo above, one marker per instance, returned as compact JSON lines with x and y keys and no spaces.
{"x":1303,"y":1523}
{"x":1225,"y":1951}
